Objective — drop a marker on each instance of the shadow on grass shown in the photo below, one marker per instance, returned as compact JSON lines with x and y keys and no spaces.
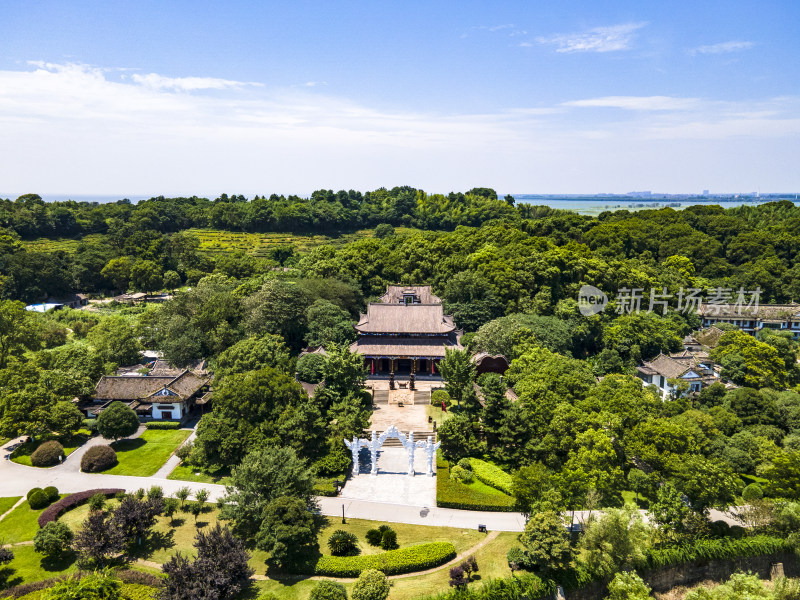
{"x":58,"y":563}
{"x":128,"y":445}
{"x":157,"y":540}
{"x":6,"y":579}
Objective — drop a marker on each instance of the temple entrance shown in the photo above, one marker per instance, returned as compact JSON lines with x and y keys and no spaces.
{"x":404,"y":366}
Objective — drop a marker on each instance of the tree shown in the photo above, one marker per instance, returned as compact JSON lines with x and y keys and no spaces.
{"x":17,"y":331}
{"x":136,"y":517}
{"x":342,"y":543}
{"x":343,"y":371}
{"x":146,"y":276}
{"x":328,"y":323}
{"x":328,"y":590}
{"x":458,"y":371}
{"x":278,"y":307}
{"x":182,"y":495}
{"x":371,"y":585}
{"x":617,"y":540}
{"x":458,"y":438}
{"x":707,"y":483}
{"x":53,"y":539}
{"x":98,"y":539}
{"x":118,"y":270}
{"x":117,"y":421}
{"x":172,"y":280}
{"x":627,"y":585}
{"x":252,"y":354}
{"x":669,"y":512}
{"x":529,"y":485}
{"x":263,"y":476}
{"x":65,"y":418}
{"x":220,"y":570}
{"x":115,"y":341}
{"x":763,"y":366}
{"x":546,"y":542}
{"x":784,"y":475}
{"x":383,"y":230}
{"x":288,"y":531}
{"x":310,"y":367}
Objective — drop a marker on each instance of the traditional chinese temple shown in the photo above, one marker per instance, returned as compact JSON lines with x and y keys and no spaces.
{"x":405,"y":332}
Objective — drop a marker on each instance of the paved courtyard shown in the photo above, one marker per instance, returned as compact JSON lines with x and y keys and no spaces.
{"x":392,"y":484}
{"x":409,"y":417}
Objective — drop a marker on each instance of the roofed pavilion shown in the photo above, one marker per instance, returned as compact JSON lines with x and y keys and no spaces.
{"x":405,"y":332}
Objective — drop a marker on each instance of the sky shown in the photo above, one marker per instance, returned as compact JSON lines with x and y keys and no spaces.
{"x":142,"y":98}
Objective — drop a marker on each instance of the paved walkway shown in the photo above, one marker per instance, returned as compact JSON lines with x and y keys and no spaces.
{"x":173,"y":461}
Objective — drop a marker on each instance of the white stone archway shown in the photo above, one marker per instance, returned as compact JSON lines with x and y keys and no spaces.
{"x":374,"y":444}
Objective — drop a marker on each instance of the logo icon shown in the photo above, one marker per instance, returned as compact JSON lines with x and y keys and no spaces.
{"x":591,"y":300}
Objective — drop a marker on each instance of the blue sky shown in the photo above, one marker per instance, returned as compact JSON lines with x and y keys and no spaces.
{"x":141,"y":98}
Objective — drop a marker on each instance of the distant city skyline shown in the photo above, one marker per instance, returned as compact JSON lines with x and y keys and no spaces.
{"x":200,"y":98}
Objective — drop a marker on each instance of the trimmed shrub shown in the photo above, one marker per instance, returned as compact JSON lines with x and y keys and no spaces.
{"x":752,"y":492}
{"x":38,"y":500}
{"x":184,"y":451}
{"x":98,"y":458}
{"x":460,"y":474}
{"x":163,"y":424}
{"x":328,"y":590}
{"x":342,"y":543}
{"x":326,"y":487}
{"x":51,"y":492}
{"x":440,"y":396}
{"x":393,"y":562}
{"x":32,"y":491}
{"x":465,"y":464}
{"x":389,"y":539}
{"x":69,"y":502}
{"x":90,"y":424}
{"x":374,"y":537}
{"x":452,"y":494}
{"x":491,"y":475}
{"x":47,"y":454}
{"x":371,"y":585}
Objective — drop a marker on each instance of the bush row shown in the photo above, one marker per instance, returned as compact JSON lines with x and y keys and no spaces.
{"x":727,"y":548}
{"x":324,"y":486}
{"x":393,"y":562}
{"x":452,"y":494}
{"x":127,"y":576}
{"x":163,"y":424}
{"x":69,"y":502}
{"x":522,"y":587}
{"x":491,"y":475}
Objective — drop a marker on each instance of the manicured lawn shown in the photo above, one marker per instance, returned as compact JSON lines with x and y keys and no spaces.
{"x":481,"y":487}
{"x":436,"y":413}
{"x":145,"y":455}
{"x":22,"y":455}
{"x":7,"y":503}
{"x":189,"y":473}
{"x":20,"y":525}
{"x":28,"y":566}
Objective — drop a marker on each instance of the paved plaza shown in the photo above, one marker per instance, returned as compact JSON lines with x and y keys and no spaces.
{"x":392,"y":484}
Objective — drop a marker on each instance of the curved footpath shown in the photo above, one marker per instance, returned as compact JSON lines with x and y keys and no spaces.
{"x":16,"y":480}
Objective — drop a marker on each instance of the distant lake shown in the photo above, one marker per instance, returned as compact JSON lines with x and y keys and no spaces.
{"x":594,"y":205}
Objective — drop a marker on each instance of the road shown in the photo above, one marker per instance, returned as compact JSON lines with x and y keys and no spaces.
{"x":17,"y":479}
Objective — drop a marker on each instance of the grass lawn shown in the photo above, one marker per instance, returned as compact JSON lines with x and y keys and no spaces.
{"x":481,"y":487}
{"x":22,"y":455}
{"x":28,"y":566}
{"x":145,"y":455}
{"x":436,"y":413}
{"x":188,"y":473}
{"x":7,"y":503}
{"x":20,"y":525}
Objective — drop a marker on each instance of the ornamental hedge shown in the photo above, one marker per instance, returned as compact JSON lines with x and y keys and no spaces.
{"x":491,"y":475}
{"x":452,"y":494}
{"x":69,"y":502}
{"x":47,"y":454}
{"x":163,"y":424}
{"x":393,"y":562}
{"x":98,"y":458}
{"x":721,"y":549}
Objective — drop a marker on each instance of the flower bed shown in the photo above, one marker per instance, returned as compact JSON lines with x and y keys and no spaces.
{"x":393,"y":562}
{"x":69,"y":502}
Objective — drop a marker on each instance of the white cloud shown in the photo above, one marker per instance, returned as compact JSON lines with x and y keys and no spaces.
{"x":81,"y":129}
{"x":643,"y":103}
{"x":188,"y":84}
{"x":722,"y":48}
{"x":599,"y":39}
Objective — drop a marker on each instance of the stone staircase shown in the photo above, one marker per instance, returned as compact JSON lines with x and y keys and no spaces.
{"x":393,"y":442}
